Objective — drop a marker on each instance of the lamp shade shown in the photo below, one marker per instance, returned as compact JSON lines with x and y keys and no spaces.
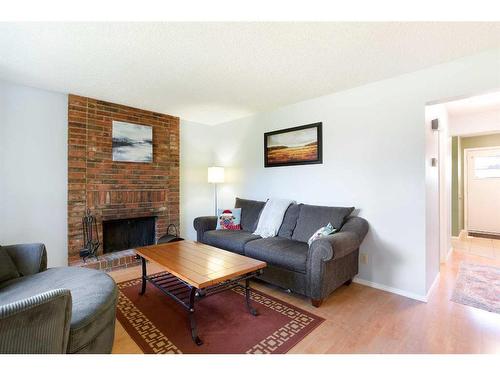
{"x":215,"y":175}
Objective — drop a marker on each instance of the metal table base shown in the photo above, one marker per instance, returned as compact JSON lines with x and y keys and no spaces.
{"x":186,"y":295}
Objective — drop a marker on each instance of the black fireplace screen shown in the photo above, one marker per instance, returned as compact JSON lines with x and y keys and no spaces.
{"x":126,"y":234}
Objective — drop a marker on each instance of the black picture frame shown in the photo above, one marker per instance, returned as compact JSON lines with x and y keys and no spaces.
{"x":268,"y":163}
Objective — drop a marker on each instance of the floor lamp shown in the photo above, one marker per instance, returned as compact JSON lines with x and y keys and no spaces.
{"x":215,"y":176}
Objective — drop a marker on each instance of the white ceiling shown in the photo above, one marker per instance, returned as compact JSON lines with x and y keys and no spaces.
{"x":216,"y":72}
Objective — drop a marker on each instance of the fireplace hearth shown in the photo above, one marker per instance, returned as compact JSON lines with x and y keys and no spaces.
{"x":123,"y":234}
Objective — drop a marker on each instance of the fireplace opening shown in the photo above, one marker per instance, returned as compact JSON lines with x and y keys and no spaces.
{"x":130,"y":233}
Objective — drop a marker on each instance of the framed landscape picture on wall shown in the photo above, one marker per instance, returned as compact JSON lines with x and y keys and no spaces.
{"x":294,"y":146}
{"x":132,"y":142}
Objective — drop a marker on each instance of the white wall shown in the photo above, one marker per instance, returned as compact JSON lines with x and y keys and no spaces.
{"x":445,"y":178}
{"x":475,"y":123}
{"x":438,"y":191}
{"x":33,"y":169}
{"x":196,"y":193}
{"x":432,"y":209}
{"x":374,"y":148}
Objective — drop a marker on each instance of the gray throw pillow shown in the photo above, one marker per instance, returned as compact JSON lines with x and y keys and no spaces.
{"x":289,"y":221}
{"x":250,"y":213}
{"x":8,"y":269}
{"x":313,"y":217}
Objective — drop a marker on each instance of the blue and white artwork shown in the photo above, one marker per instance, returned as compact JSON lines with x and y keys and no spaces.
{"x":132,"y":142}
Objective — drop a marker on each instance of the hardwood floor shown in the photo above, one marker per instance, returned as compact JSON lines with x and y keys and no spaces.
{"x":360,"y":319}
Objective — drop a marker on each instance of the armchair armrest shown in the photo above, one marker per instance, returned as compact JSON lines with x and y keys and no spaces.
{"x":28,"y":258}
{"x":202,"y":224}
{"x":36,"y":325}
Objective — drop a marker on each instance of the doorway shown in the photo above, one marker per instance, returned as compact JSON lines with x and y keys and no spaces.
{"x":482,"y":192}
{"x":468,"y":152}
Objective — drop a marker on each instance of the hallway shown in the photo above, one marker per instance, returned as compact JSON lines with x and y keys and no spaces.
{"x":484,"y":247}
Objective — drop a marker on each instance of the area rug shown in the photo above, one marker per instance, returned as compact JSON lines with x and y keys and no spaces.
{"x":478,"y":286}
{"x":159,"y":325}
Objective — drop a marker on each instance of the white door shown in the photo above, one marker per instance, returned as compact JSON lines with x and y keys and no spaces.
{"x":483,"y":190}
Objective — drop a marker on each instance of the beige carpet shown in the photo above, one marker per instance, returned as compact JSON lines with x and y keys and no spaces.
{"x":478,"y":286}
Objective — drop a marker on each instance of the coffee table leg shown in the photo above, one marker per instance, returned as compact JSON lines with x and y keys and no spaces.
{"x":192,"y":322}
{"x":144,"y":274}
{"x":251,"y":310}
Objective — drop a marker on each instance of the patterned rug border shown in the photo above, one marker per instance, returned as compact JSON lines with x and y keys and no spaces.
{"x":298,"y":317}
{"x":462,"y":283}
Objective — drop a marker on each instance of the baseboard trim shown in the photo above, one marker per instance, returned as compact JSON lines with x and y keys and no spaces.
{"x":404,"y":293}
{"x":433,"y":285}
{"x":449,"y":254}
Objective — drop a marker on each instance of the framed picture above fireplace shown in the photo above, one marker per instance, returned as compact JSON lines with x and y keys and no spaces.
{"x":132,"y":142}
{"x":294,"y":146}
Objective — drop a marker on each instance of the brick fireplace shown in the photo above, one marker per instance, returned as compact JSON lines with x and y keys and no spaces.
{"x":118,"y":190}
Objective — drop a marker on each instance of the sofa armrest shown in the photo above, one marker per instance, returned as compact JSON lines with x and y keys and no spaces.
{"x":202,"y":224}
{"x":356,"y":224}
{"x":341,"y":243}
{"x":333,"y":260}
{"x":36,"y":325}
{"x":28,"y":258}
{"x":333,"y":246}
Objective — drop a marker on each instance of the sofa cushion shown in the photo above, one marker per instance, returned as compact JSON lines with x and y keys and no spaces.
{"x":289,"y":221}
{"x":93,"y":294}
{"x":8,"y":269}
{"x":311,"y":218}
{"x":232,"y":240}
{"x":280,"y":252}
{"x":250,"y":213}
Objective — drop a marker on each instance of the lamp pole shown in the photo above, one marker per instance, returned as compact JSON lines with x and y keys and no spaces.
{"x":215,"y":176}
{"x":215,"y":197}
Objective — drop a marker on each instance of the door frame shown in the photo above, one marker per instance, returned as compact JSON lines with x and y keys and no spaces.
{"x":466,"y":180}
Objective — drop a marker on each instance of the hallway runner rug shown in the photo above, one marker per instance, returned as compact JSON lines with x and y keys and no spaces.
{"x":478,"y":286}
{"x":160,"y":325}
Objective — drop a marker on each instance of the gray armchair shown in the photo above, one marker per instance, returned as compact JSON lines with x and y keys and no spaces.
{"x":38,"y":324}
{"x":55,"y":310}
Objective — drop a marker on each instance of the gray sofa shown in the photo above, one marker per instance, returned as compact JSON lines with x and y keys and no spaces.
{"x":313,"y":271}
{"x":55,"y":310}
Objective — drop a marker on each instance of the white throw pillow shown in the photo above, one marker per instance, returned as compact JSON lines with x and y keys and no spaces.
{"x":321,"y":232}
{"x":271,"y":217}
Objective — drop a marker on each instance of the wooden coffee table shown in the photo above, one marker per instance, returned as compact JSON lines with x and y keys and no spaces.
{"x":194,"y":271}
